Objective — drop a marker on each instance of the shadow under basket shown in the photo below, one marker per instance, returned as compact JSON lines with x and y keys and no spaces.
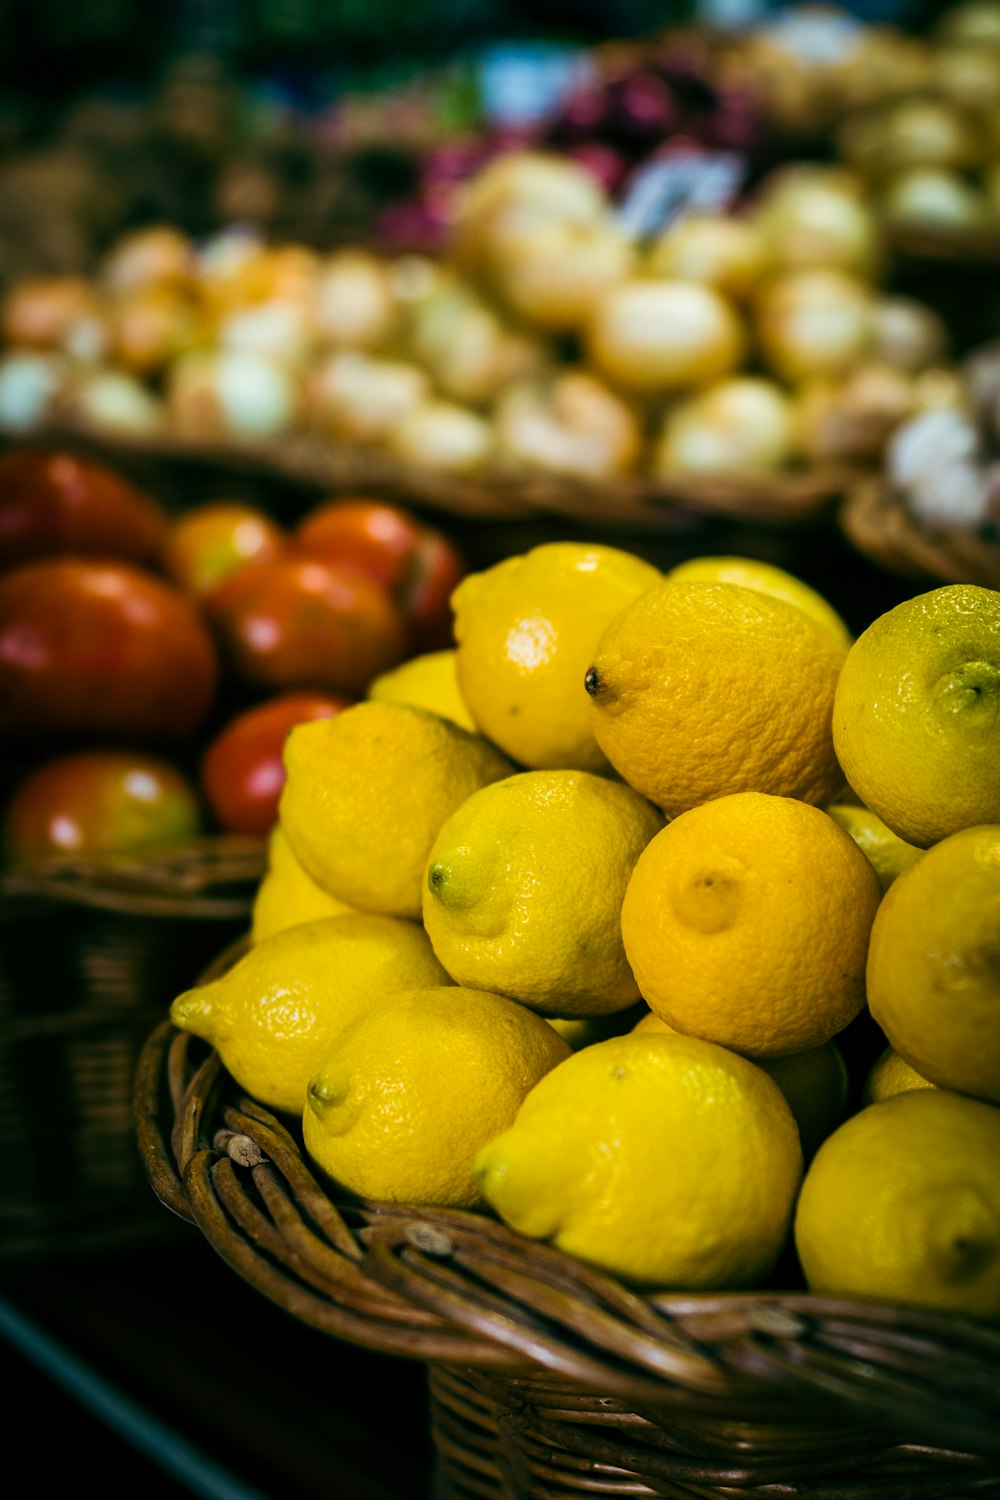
{"x":90,"y":958}
{"x":551,"y":1381}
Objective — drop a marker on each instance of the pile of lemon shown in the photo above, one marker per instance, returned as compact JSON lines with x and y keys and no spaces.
{"x":564,"y":925}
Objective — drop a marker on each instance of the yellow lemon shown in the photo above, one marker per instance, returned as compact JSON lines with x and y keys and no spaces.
{"x":917,"y":711}
{"x":891,"y":1074}
{"x":366,"y":792}
{"x":746,"y":921}
{"x":665,"y":1160}
{"x":750,"y":573}
{"x":524,"y":889}
{"x":815,"y":1083}
{"x":702,"y":689}
{"x":429,"y":681}
{"x":902,"y":1203}
{"x":934,"y":963}
{"x":890,"y":854}
{"x":584,"y":1031}
{"x":286,"y":895}
{"x":416,"y":1085}
{"x":274,"y":1016}
{"x":526,"y":629}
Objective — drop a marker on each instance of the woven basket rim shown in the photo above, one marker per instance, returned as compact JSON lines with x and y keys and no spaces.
{"x":316,"y":462}
{"x":457,"y":1287}
{"x":214,"y":876}
{"x":879,"y":524}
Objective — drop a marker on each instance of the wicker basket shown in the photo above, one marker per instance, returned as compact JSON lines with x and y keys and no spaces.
{"x":89,"y":958}
{"x":879,"y":524}
{"x":549,"y":1381}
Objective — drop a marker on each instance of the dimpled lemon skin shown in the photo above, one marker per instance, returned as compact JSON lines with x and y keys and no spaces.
{"x":274,"y":1016}
{"x":286,"y":895}
{"x":699,"y":689}
{"x":362,"y":805}
{"x":526,"y":629}
{"x":890,"y":854}
{"x":934,"y":964}
{"x":751,"y":573}
{"x":524,"y":889}
{"x":429,"y":681}
{"x":816,"y":1084}
{"x":747,"y":920}
{"x":917,"y":713}
{"x":902,"y":1203}
{"x":416,"y":1085}
{"x":665,"y":1160}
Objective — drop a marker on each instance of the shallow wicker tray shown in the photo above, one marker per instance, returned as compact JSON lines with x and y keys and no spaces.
{"x":878,"y":524}
{"x":321,"y":464}
{"x":549,"y":1381}
{"x":90,"y":955}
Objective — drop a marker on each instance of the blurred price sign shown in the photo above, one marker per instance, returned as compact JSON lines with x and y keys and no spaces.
{"x":682,"y":182}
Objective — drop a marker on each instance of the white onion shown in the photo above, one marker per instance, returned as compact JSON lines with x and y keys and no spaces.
{"x":816,"y":218}
{"x":113,"y":401}
{"x":907,"y":334}
{"x":740,"y":425}
{"x":932,"y":196}
{"x":224,"y":392}
{"x":445,"y":436}
{"x":159,"y":253}
{"x":569,"y":424}
{"x":30,"y":382}
{"x":550,"y":275}
{"x":664,"y":336}
{"x":470,"y":352}
{"x":721,"y":250}
{"x":355,"y":305}
{"x":360,"y":397}
{"x":812,"y":323}
{"x":932,"y":438}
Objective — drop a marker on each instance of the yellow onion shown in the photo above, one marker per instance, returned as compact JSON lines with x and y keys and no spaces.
{"x":968,"y":76}
{"x":907,"y":334}
{"x":152,"y":255}
{"x":742,"y":425}
{"x":112,"y":401}
{"x":813,"y":323}
{"x":52,"y":312}
{"x":850,"y":420}
{"x":470,"y":352}
{"x":653,"y":336}
{"x":569,"y":423}
{"x":282,"y":329}
{"x":445,"y":436}
{"x":220,"y":392}
{"x":362,"y":397}
{"x":721,"y":250}
{"x":814,"y":216}
{"x":973,"y":23}
{"x":151,"y":325}
{"x":514,"y":189}
{"x":355,"y":305}
{"x":916,"y":132}
{"x":932,"y":196}
{"x":551,"y":274}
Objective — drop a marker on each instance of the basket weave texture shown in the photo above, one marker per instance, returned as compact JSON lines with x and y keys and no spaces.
{"x":878,"y":523}
{"x":89,"y":957}
{"x":551,"y":1381}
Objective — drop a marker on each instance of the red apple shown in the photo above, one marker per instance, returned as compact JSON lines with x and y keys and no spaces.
{"x":97,"y":803}
{"x":99,"y":649}
{"x":297,"y":623}
{"x":206,"y":544}
{"x":57,"y":502}
{"x":243,"y":770}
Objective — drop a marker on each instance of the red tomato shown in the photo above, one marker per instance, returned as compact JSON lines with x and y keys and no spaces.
{"x":99,"y":802}
{"x":101,"y":649}
{"x":295,"y":623}
{"x":53,"y":502}
{"x":242,"y":771}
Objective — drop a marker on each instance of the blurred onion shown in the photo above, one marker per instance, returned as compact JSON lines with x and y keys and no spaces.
{"x":932,"y":196}
{"x":50,"y":312}
{"x":30,"y":383}
{"x":568,"y":424}
{"x":743,"y":425}
{"x":907,"y":334}
{"x":113,"y":401}
{"x":470,"y":352}
{"x":816,"y":217}
{"x":811,"y":323}
{"x":355,"y":303}
{"x":149,"y":256}
{"x":663,"y":336}
{"x":216,"y":393}
{"x":850,"y":421}
{"x":720,"y":250}
{"x":445,"y":436}
{"x":551,"y":274}
{"x":514,"y":190}
{"x":151,"y":325}
{"x":361,"y":397}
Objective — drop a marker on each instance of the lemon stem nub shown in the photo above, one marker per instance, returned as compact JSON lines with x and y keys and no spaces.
{"x":592,"y":682}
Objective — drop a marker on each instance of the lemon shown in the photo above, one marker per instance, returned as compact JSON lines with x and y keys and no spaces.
{"x":273,"y":1017}
{"x":366,"y":792}
{"x":934,"y":963}
{"x":665,"y":1160}
{"x":815,"y":1083}
{"x":751,"y":573}
{"x":524,"y":888}
{"x":746,"y":921}
{"x":584,"y":1031}
{"x":917,"y":713}
{"x":416,"y":1085}
{"x":702,"y":689}
{"x":891,"y":1074}
{"x":525,"y":630}
{"x":286,"y":895}
{"x":429,"y":681}
{"x":890,"y":854}
{"x":902,"y":1203}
